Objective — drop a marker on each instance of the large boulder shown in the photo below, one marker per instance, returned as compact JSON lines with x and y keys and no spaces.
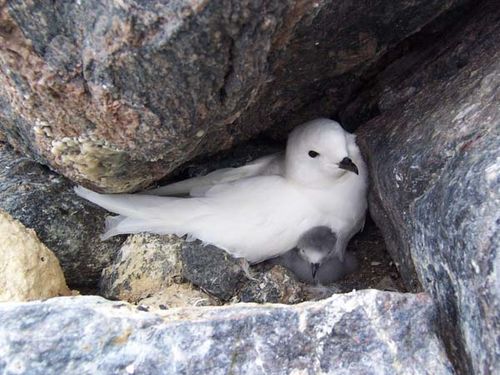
{"x":70,"y":227}
{"x":117,"y":94}
{"x":433,"y":155}
{"x":367,"y":332}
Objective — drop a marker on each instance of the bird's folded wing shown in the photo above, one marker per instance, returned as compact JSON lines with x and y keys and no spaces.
{"x":197,"y":186}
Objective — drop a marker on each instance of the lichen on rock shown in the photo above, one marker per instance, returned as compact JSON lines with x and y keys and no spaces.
{"x":145,"y":265}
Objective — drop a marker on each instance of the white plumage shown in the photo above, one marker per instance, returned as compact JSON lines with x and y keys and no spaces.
{"x":260,"y":210}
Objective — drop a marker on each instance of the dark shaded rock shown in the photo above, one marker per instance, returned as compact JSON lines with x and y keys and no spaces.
{"x":374,"y":261}
{"x":116,"y":95}
{"x":434,"y":160}
{"x":366,"y":332}
{"x":387,"y":284}
{"x":144,"y":265}
{"x":234,"y":157}
{"x":212,"y":269}
{"x":69,"y":226}
{"x":276,"y":285}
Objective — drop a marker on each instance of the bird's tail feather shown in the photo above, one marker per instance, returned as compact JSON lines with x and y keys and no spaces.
{"x":116,"y":225}
{"x":146,"y":213}
{"x":144,"y":206}
{"x":134,"y":205}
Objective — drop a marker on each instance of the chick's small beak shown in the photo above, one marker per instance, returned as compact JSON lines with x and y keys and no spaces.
{"x":314,"y":269}
{"x":348,"y":165}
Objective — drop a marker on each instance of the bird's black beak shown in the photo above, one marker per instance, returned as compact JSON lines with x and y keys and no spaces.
{"x":314,"y":269}
{"x":348,"y":165}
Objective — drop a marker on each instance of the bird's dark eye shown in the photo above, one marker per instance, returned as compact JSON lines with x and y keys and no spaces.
{"x":313,"y":154}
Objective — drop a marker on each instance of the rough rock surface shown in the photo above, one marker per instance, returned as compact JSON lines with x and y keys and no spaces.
{"x":365,"y":332}
{"x":153,"y":270}
{"x":117,"y":94}
{"x":178,"y":295}
{"x":276,"y":285}
{"x":212,"y":269}
{"x":434,"y":159}
{"x":68,"y":225}
{"x":144,"y":265}
{"x":28,"y":270}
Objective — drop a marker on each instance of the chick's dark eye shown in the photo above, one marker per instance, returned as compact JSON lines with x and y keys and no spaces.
{"x":313,"y":154}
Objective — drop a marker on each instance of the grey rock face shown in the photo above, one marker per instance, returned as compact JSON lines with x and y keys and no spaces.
{"x":365,"y":332}
{"x":45,"y":202}
{"x":116,"y":95}
{"x":434,"y":158}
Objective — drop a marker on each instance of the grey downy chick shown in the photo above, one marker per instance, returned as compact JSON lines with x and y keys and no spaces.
{"x":314,"y":261}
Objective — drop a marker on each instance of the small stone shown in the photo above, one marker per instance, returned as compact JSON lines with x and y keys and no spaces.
{"x":277,"y":285}
{"x":387,"y":284}
{"x":29,"y":269}
{"x":319,"y":292}
{"x":145,"y":265}
{"x":212,"y":269}
{"x":179,"y":295}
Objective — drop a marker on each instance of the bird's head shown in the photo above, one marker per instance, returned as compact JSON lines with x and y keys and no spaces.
{"x":317,"y":245}
{"x":320,"y":152}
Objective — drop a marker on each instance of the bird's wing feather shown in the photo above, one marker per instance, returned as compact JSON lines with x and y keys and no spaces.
{"x":256,"y":218}
{"x":197,"y":186}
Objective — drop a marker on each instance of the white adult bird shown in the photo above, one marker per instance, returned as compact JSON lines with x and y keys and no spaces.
{"x":259,"y":211}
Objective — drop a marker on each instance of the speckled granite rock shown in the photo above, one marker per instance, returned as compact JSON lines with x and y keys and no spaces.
{"x":434,"y":158}
{"x":145,"y":264}
{"x":212,"y":269}
{"x":69,"y":226}
{"x":28,"y":269}
{"x":365,"y":332}
{"x":276,"y":285}
{"x":178,"y":295}
{"x":152,"y":270}
{"x":117,"y":94}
